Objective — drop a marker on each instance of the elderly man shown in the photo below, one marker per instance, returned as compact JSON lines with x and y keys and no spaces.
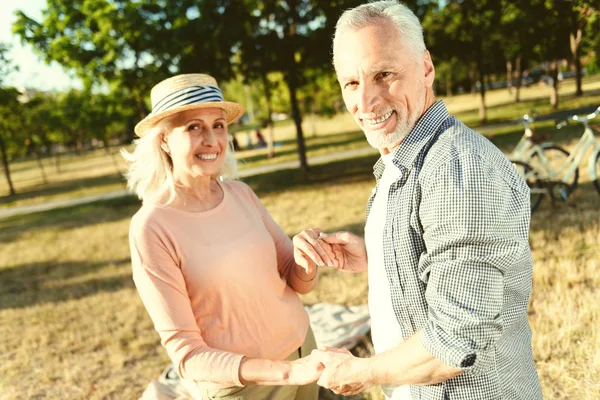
{"x":446,"y":236}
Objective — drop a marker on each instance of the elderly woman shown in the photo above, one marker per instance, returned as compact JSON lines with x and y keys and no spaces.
{"x":216,"y":274}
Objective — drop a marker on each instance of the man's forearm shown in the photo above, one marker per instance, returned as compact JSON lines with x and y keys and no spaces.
{"x":409,"y":363}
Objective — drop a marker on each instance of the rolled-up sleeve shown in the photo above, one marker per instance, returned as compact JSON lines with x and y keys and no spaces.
{"x":472,"y":223}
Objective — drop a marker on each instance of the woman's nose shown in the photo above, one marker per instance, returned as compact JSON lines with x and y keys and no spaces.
{"x":209,"y":138}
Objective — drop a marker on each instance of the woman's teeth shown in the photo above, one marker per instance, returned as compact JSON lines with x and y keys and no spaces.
{"x":207,"y":156}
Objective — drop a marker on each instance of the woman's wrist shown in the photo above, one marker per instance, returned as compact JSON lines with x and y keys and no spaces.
{"x":263,"y":372}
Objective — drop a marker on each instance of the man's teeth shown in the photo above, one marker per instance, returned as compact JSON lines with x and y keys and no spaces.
{"x":206,"y":156}
{"x":378,"y":120}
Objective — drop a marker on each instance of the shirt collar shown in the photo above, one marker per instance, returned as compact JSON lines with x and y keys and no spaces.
{"x":406,"y":153}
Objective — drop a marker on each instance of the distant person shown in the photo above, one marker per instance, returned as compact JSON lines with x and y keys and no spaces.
{"x":215,"y":272}
{"x":235,"y":143}
{"x":260,"y":140}
{"x":446,"y":238}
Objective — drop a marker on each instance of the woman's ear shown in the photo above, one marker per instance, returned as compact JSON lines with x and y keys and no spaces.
{"x":164,"y":145}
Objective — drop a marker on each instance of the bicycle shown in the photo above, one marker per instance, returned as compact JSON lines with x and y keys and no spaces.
{"x":559,"y":180}
{"x":530,"y":148}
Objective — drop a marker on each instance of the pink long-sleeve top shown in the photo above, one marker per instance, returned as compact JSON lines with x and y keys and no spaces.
{"x":217,"y":284}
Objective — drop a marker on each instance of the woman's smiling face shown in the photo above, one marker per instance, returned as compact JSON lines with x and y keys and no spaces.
{"x":197,"y":143}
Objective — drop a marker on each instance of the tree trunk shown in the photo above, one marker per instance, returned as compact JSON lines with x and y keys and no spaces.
{"x":473,"y":79}
{"x":518,"y":74}
{"x":41,"y":166}
{"x":271,"y":135}
{"x":554,"y":94}
{"x":576,"y":50}
{"x":292,"y":83}
{"x":449,"y":81}
{"x":11,"y":189}
{"x":57,"y":161}
{"x":482,"y":108}
{"x":509,"y":76}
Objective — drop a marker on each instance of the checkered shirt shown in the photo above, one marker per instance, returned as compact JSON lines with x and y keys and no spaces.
{"x":457,"y":258}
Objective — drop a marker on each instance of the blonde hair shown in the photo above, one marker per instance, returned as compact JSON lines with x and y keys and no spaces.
{"x":150,"y":170}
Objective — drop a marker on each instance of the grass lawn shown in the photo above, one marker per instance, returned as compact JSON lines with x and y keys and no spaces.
{"x":101,"y":172}
{"x":73,"y":326}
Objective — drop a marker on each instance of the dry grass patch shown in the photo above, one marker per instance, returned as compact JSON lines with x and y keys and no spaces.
{"x":73,"y":325}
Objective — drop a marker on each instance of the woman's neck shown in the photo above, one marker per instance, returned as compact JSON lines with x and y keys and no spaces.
{"x":196,"y":195}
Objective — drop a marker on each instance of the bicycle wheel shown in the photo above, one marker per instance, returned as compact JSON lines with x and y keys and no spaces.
{"x":555,"y":157}
{"x":597,"y":169}
{"x":536,"y":188}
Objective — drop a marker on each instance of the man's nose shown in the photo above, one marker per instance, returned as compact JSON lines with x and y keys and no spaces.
{"x":367,"y":98}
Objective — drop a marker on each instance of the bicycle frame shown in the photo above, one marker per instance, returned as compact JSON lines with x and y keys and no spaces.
{"x":566,"y":171}
{"x":523,"y":148}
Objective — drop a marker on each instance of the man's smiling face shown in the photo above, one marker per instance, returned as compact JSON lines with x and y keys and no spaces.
{"x":383,"y":83}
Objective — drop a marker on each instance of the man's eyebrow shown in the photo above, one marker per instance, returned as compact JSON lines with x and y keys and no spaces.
{"x":380,"y":68}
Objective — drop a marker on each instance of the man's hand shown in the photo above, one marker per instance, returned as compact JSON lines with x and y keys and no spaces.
{"x":343,"y":374}
{"x":349,"y":250}
{"x":342,"y":250}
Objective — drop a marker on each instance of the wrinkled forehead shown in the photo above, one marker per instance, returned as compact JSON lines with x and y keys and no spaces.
{"x":371,"y":44}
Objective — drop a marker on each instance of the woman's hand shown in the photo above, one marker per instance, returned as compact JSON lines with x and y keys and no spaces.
{"x":304,"y":371}
{"x":342,"y":250}
{"x":311,"y":251}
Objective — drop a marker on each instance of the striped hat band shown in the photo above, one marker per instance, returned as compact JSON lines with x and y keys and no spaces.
{"x":187,"y":96}
{"x":186,"y":92}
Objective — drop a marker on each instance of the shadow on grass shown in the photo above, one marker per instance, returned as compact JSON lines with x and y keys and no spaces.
{"x":581,"y":211}
{"x":497,"y":114}
{"x":70,"y":217}
{"x":63,"y":187}
{"x":312,"y":144}
{"x":31,"y":284}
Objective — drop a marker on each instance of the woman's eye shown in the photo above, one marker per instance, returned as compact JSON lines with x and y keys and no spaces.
{"x":219,"y":126}
{"x":194,"y":127}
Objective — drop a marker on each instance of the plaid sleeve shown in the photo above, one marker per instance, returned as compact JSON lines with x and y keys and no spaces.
{"x":469,"y":214}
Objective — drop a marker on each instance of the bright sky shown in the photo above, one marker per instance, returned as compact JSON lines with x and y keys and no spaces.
{"x":33,"y":71}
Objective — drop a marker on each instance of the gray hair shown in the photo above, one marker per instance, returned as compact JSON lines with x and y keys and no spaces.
{"x":150,"y":172}
{"x":406,"y":22}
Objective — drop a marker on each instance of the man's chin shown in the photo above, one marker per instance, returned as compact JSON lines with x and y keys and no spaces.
{"x":382,"y":139}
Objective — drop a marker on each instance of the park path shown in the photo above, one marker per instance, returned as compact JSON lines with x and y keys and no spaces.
{"x":62,"y":203}
{"x":315,"y":160}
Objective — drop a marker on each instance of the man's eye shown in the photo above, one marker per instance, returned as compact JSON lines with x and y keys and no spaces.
{"x":384,"y":74}
{"x":351,"y":84}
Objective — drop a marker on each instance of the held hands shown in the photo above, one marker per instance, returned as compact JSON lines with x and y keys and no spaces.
{"x":343,"y":374}
{"x":305,"y":370}
{"x":342,"y":250}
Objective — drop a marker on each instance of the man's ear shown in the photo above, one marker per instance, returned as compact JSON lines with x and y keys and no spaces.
{"x":428,"y":69}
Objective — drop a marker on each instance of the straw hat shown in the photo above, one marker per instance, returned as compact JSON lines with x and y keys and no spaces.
{"x":186,"y":92}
